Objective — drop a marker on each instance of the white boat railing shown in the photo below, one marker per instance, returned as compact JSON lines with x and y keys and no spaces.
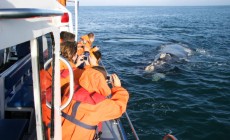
{"x":76,"y":18}
{"x":71,"y":83}
{"x":14,"y":13}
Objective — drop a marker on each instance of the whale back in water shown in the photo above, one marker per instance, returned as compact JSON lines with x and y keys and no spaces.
{"x":166,"y":58}
{"x":174,"y":50}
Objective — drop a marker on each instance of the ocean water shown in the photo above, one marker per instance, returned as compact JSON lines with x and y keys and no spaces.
{"x":192,"y":101}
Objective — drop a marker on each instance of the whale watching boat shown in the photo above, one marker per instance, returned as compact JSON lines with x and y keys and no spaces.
{"x":29,"y":30}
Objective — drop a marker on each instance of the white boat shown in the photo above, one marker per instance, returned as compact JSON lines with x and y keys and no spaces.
{"x":28,"y":24}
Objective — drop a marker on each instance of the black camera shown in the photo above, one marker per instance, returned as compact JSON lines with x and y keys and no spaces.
{"x":109,"y":78}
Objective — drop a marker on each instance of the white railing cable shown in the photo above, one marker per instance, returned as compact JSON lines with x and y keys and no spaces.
{"x":71,"y":83}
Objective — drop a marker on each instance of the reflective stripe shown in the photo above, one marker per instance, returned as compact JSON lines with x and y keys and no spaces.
{"x":72,"y":119}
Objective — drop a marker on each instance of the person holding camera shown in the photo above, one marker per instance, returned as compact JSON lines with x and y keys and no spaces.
{"x":94,"y":77}
{"x":87,"y":40}
{"x":89,"y":113}
{"x":68,"y":51}
{"x":93,"y":52}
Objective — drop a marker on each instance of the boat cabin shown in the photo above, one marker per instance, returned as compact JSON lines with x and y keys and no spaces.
{"x":30,"y":35}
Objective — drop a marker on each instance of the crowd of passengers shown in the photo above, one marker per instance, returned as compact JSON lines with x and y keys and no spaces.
{"x":93,"y":101}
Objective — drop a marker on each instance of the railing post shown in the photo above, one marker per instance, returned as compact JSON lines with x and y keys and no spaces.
{"x":76,"y":18}
{"x":36,"y":87}
{"x":131,"y":125}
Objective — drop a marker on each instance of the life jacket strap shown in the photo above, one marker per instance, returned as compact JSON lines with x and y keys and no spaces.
{"x":72,"y":118}
{"x":79,"y":123}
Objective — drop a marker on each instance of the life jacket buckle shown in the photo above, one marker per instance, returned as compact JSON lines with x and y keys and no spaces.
{"x":98,"y":136}
{"x":115,"y":122}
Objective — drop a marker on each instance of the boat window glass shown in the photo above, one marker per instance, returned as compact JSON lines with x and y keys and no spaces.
{"x":8,"y":57}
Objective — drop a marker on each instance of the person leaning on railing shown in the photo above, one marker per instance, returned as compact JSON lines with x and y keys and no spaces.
{"x":68,"y":51}
{"x":87,"y":110}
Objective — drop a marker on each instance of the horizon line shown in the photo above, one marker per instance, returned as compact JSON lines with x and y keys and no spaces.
{"x":146,"y":5}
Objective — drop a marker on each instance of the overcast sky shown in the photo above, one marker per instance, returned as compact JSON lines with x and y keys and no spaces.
{"x":152,"y":2}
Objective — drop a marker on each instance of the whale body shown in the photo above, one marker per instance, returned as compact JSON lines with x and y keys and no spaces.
{"x":168,"y":55}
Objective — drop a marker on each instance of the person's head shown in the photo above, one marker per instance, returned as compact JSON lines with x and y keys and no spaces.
{"x":67,"y":36}
{"x":97,"y":55}
{"x":69,"y":50}
{"x":102,"y":70}
{"x":95,"y":58}
{"x":91,"y":37}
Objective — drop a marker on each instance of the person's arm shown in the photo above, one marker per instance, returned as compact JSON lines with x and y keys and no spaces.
{"x":113,"y":108}
{"x":109,"y":108}
{"x":119,"y":95}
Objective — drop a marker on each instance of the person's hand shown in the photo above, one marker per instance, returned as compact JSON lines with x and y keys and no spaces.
{"x":80,"y":60}
{"x":115,"y":80}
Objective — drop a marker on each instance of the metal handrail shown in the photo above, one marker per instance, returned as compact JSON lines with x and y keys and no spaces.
{"x":14,"y":13}
{"x":71,"y":83}
{"x":131,"y":125}
{"x":126,"y":114}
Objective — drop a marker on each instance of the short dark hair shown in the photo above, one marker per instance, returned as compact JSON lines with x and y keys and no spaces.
{"x":66,"y":36}
{"x":97,"y":54}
